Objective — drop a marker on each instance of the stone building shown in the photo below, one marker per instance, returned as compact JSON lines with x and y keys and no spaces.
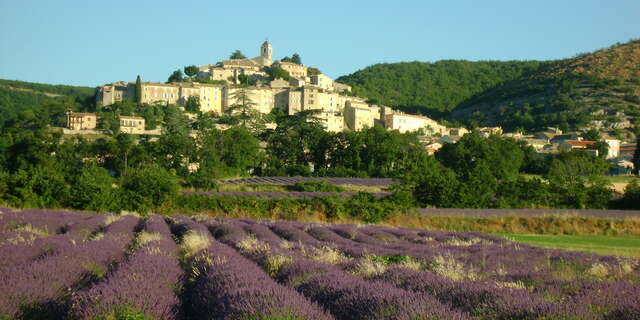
{"x":322,"y":81}
{"x":261,"y":97}
{"x":408,"y":123}
{"x":358,"y":115}
{"x":132,"y":125}
{"x":230,"y":70}
{"x":81,"y":121}
{"x":295,"y":70}
{"x":331,"y":121}
{"x":115,"y":92}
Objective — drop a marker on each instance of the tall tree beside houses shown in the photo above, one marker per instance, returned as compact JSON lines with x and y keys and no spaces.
{"x":176,"y":76}
{"x":138,"y":90}
{"x":191,"y":71}
{"x":636,"y":154}
{"x":237,"y":55}
{"x":244,"y":113}
{"x":296,"y":58}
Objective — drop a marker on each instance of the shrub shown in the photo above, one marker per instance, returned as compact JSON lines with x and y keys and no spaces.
{"x":147,"y":188}
{"x":316,"y":186}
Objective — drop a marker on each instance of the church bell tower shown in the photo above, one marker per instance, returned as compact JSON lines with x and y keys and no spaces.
{"x":266,"y":51}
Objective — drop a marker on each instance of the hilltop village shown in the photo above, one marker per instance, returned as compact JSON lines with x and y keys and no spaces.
{"x":301,"y":88}
{"x":291,"y":87}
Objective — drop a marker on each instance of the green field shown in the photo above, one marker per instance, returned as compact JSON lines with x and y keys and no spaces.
{"x":626,"y":246}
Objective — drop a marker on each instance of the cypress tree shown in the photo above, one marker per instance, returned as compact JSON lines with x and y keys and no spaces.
{"x":636,"y":154}
{"x":138,"y":90}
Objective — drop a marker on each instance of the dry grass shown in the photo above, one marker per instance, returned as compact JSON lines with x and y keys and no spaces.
{"x":23,"y":239}
{"x":33,"y":230}
{"x":462,"y":242}
{"x":96,"y":236}
{"x":109,"y":219}
{"x":447,"y":266}
{"x":513,"y":285}
{"x":194,"y":242}
{"x":147,"y":237}
{"x":252,"y":245}
{"x":274,"y":262}
{"x":598,"y":270}
{"x":367,"y":268}
{"x":514,"y":224}
{"x":326,"y":254}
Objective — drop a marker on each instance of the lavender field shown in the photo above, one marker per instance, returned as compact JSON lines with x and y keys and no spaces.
{"x":371,"y":182}
{"x":57,"y":264}
{"x":284,"y":194}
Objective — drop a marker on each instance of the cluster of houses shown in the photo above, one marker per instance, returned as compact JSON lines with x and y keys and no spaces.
{"x":78,"y":122}
{"x":338,"y":110}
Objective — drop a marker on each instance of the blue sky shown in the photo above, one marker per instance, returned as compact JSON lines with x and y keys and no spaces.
{"x":94,"y":42}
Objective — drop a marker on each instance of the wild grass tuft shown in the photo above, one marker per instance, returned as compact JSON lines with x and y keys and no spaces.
{"x":274,"y":262}
{"x":598,"y":270}
{"x":31,"y":229}
{"x":252,"y":245}
{"x":447,"y":266}
{"x":194,"y":242}
{"x":368,"y":268}
{"x":109,"y":219}
{"x":147,"y":237}
{"x":327,"y":254}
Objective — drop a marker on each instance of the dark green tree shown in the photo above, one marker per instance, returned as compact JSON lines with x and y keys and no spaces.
{"x":636,"y":154}
{"x":147,"y":188}
{"x":237,"y":55}
{"x":246,"y":80}
{"x":138,"y":90}
{"x":40,"y":186}
{"x":277,"y":72}
{"x":311,"y":71}
{"x":191,"y":71}
{"x":295,"y":58}
{"x":92,"y":189}
{"x":592,"y":135}
{"x":109,"y":121}
{"x":176,"y":76}
{"x":631,"y":198}
{"x":503,"y":156}
{"x":192,"y":104}
{"x":243,"y":112}
{"x":577,"y":176}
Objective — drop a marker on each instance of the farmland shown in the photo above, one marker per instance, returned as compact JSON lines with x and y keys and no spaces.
{"x":58,"y":264}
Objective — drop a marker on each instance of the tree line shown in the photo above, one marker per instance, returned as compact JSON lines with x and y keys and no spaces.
{"x":40,"y":167}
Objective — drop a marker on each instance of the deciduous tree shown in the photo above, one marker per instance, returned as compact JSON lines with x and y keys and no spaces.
{"x":237,"y":55}
{"x":191,"y":71}
{"x":176,"y":76}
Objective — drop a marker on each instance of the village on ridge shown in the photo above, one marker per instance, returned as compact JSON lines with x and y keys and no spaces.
{"x":308,"y":89}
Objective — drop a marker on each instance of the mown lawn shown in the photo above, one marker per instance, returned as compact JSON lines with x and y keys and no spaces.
{"x":626,"y":246}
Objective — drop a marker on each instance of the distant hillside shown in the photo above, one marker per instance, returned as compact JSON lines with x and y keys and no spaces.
{"x":603,"y":86}
{"x":439,"y":86}
{"x":21,"y":101}
{"x":599,"y":89}
{"x":48,"y":89}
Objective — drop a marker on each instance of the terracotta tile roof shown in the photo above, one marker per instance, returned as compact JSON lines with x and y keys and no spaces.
{"x":577,"y":143}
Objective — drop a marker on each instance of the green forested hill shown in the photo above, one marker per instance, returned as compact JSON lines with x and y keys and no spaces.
{"x":48,"y":89}
{"x":603,"y":86}
{"x":26,"y":101}
{"x":570,"y":93}
{"x":439,"y":86}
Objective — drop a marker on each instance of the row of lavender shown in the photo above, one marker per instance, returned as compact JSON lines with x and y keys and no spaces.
{"x":485,"y":213}
{"x":372,"y":182}
{"x":284,"y":194}
{"x":483,"y":276}
{"x":87,"y":266}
